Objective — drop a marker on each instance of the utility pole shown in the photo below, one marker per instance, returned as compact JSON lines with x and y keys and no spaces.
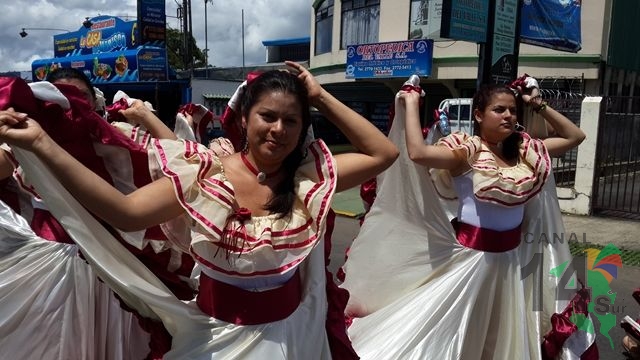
{"x":191,"y":44}
{"x":187,"y":56}
{"x":206,"y":39}
{"x":243,"y":75}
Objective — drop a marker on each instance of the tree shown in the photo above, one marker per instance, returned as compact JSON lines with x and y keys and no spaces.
{"x":176,"y":48}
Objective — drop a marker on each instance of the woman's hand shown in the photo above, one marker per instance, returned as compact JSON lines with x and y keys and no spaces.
{"x":409,"y":98}
{"x":314,"y":89}
{"x":137,"y":113}
{"x":376,"y":152}
{"x":531,"y":96}
{"x":19,"y":130}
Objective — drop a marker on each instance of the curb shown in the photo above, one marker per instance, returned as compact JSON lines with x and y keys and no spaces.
{"x":347,"y":213}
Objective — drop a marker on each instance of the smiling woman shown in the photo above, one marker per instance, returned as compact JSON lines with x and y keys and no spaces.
{"x":257,"y":240}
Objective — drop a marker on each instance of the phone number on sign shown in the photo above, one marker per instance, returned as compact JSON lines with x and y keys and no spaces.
{"x":386,"y":68}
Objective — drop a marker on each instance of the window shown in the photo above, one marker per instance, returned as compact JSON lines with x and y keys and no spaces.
{"x":324,"y":25}
{"x":360,"y":22}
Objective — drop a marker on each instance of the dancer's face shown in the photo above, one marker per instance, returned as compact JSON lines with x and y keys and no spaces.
{"x":274,"y":127}
{"x":498,"y":119}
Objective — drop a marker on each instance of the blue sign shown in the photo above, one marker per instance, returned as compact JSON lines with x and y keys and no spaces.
{"x":553,"y":24}
{"x":152,"y":22}
{"x":106,"y":34}
{"x":465,"y":20}
{"x":391,"y":59}
{"x":110,"y":50}
{"x":144,"y":64}
{"x":152,"y":64}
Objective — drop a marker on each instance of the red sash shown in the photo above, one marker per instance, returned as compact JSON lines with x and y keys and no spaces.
{"x":486,"y":239}
{"x":243,"y":307}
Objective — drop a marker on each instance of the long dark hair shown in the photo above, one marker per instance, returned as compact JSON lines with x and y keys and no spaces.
{"x":282,"y":81}
{"x":482,"y":99}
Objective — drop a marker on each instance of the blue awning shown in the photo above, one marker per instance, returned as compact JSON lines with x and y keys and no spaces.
{"x":282,"y":42}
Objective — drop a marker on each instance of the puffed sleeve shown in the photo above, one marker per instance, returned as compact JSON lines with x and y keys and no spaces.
{"x":506,"y":186}
{"x":441,"y":178}
{"x":136,"y":133}
{"x":196,"y":174}
{"x":316,"y":180}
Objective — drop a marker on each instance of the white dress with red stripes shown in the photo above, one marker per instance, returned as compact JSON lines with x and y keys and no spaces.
{"x":52,"y":303}
{"x":254,"y":254}
{"x":54,"y":306}
{"x":416,"y":292}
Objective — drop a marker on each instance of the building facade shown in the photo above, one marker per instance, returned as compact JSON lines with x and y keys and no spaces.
{"x":338,"y":23}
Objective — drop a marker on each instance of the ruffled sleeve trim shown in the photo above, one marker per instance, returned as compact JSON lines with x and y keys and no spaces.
{"x":136,"y":133}
{"x":510,"y":186}
{"x":316,"y":181}
{"x":260,"y":245}
{"x":196,"y":176}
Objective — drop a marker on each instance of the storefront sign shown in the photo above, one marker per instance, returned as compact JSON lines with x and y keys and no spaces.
{"x":110,"y":50}
{"x":152,"y":22}
{"x":391,"y":59}
{"x":504,"y":67}
{"x":465,"y":20}
{"x":425,"y":18}
{"x":152,"y":65}
{"x":106,"y":34}
{"x":114,"y":67}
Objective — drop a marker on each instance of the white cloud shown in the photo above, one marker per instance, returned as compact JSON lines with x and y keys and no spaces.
{"x":263,"y":20}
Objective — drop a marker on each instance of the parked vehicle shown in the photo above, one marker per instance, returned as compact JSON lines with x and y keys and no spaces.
{"x":459,"y":113}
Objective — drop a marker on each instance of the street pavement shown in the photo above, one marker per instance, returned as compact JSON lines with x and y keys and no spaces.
{"x":625,"y":234}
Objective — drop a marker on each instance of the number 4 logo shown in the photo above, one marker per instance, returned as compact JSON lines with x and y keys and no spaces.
{"x":568,"y":275}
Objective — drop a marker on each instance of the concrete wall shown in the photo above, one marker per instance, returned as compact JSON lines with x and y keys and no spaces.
{"x":577,"y":200}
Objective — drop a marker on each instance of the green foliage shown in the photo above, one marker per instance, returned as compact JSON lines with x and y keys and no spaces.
{"x":175,"y":50}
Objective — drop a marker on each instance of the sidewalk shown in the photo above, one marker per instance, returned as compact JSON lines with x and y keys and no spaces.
{"x":348,"y":203}
{"x":582,"y":232}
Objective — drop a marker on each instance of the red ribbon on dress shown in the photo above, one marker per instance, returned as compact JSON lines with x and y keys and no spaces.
{"x":47,"y":227}
{"x":243,"y":307}
{"x":562,"y":327}
{"x":486,"y":239}
{"x":241,"y":214}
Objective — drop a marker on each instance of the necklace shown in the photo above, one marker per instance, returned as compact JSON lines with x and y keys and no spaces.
{"x":260,"y":175}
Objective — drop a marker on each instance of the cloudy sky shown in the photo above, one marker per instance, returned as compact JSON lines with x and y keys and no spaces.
{"x":263,"y":20}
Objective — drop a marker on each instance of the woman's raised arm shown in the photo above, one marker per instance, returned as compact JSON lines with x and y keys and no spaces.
{"x":147,"y":206}
{"x":376,"y":151}
{"x":438,"y":157}
{"x":566,"y":134}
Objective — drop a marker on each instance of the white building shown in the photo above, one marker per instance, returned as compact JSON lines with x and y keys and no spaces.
{"x":338,"y":23}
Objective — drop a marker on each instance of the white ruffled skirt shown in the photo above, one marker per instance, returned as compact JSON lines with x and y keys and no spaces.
{"x":416,"y":293}
{"x":53,"y":306}
{"x":471,"y":307}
